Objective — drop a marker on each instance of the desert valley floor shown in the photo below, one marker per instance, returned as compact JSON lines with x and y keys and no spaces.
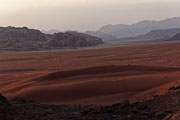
{"x":91,"y":76}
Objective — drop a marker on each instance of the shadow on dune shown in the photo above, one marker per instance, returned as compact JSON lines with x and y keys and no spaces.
{"x":94,"y":85}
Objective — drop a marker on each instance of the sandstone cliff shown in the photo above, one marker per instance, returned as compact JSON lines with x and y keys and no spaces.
{"x":72,"y":40}
{"x":22,"y":39}
{"x":25,"y":39}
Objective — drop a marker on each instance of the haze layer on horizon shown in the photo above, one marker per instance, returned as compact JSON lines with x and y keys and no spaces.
{"x":82,"y":15}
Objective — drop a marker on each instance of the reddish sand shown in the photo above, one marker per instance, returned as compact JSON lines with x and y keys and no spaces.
{"x":101,"y":76}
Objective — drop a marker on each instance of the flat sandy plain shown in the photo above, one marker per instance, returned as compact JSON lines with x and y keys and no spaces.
{"x":91,"y":76}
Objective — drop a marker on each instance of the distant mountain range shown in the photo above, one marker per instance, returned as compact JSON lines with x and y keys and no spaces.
{"x":154,"y":35}
{"x":52,"y":31}
{"x":25,"y":39}
{"x":174,"y":38}
{"x":134,"y":30}
{"x":104,"y":36}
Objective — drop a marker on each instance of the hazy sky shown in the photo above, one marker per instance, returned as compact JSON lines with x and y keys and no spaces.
{"x":83,"y":15}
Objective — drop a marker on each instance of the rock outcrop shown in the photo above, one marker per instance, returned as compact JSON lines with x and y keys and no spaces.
{"x":21,"y":34}
{"x":25,"y":39}
{"x":73,"y":40}
{"x":164,"y":107}
{"x":5,"y":109}
{"x":20,"y":39}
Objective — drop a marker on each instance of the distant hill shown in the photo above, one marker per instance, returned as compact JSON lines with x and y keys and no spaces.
{"x":174,"y":38}
{"x":73,"y":39}
{"x":104,"y":36}
{"x":155,"y":35}
{"x":52,"y":31}
{"x":140,"y":28}
{"x":25,"y":39}
{"x":20,"y":39}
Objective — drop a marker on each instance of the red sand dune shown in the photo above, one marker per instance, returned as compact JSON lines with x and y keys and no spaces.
{"x":102,"y":76}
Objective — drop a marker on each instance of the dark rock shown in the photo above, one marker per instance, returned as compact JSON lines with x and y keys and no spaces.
{"x":161,"y":115}
{"x":73,"y":40}
{"x":17,"y":100}
{"x":20,"y":39}
{"x":25,"y":39}
{"x":3,"y":100}
{"x":21,"y":34}
{"x":5,"y":109}
{"x":158,"y":108}
{"x":125,"y":103}
{"x":174,"y":88}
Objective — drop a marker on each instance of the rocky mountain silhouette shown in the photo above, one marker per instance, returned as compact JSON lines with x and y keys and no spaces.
{"x":73,"y":39}
{"x":104,"y":36}
{"x":155,"y":35}
{"x":25,"y":39}
{"x":174,"y":38}
{"x":52,"y":31}
{"x":140,"y":28}
{"x":12,"y":38}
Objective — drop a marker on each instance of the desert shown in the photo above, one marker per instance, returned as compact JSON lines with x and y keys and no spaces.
{"x":104,"y":77}
{"x":89,"y":60}
{"x":132,"y":72}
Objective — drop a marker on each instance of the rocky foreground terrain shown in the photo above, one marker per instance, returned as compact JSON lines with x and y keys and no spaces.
{"x":25,"y":39}
{"x":164,"y":107}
